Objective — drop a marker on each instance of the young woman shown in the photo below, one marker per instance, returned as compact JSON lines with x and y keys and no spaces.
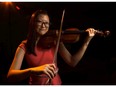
{"x":41,"y":69}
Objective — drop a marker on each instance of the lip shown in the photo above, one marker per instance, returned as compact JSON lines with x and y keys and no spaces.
{"x":42,"y":29}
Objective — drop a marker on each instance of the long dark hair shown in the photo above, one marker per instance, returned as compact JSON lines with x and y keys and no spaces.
{"x":32,"y":35}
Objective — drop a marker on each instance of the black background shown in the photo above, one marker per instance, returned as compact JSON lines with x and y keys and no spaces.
{"x":98,"y":65}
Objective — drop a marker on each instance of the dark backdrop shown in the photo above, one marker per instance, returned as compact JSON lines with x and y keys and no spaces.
{"x":98,"y":63}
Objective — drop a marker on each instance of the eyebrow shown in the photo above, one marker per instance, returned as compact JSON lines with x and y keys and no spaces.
{"x":42,"y":21}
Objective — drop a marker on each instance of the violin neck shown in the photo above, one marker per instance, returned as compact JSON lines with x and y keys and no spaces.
{"x":74,"y":32}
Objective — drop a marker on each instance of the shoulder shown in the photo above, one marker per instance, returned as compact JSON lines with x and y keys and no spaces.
{"x":22,"y":44}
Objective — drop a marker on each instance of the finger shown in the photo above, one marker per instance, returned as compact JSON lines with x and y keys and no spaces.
{"x":51,"y":72}
{"x":50,"y":68}
{"x":47,"y":73}
{"x":56,"y":71}
{"x":91,"y":32}
{"x":53,"y":65}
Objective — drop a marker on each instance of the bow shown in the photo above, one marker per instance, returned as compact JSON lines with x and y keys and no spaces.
{"x":57,"y":45}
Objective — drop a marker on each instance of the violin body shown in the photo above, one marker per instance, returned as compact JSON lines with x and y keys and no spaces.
{"x":67,"y":36}
{"x":70,"y":35}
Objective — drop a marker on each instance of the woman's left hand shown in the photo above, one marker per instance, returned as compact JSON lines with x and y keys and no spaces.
{"x":91,"y":32}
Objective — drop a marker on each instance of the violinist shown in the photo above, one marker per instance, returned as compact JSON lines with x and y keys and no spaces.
{"x":41,"y":69}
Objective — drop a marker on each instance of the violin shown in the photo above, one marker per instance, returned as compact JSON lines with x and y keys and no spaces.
{"x":70,"y":35}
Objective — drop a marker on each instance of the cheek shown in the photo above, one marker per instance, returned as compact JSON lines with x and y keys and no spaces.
{"x":38,"y":27}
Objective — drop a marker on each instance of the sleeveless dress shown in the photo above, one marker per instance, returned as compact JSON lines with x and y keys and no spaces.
{"x":43,"y":56}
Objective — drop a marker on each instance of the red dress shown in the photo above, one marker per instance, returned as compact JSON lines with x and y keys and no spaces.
{"x":44,"y":56}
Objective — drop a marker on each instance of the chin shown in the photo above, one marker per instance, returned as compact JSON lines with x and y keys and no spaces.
{"x":42,"y":33}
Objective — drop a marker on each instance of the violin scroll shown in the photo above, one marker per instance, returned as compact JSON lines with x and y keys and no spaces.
{"x":103,"y":33}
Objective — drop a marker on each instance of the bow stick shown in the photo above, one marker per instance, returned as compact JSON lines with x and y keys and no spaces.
{"x":57,"y":45}
{"x":58,"y":40}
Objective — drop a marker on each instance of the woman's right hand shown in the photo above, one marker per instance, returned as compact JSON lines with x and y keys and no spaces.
{"x":48,"y":69}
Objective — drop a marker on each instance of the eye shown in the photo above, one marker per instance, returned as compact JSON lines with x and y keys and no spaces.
{"x":39,"y":21}
{"x":46,"y":23}
{"x":42,"y":22}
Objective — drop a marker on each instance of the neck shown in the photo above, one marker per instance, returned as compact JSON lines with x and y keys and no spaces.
{"x":37,"y":40}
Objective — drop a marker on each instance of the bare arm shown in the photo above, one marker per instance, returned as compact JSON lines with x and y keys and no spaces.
{"x":73,"y":60}
{"x":15,"y":74}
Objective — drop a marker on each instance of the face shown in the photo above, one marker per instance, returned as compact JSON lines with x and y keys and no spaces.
{"x":42,"y":24}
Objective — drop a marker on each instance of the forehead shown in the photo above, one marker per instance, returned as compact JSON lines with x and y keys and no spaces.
{"x":42,"y":17}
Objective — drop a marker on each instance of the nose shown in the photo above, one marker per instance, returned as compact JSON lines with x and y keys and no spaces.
{"x":43,"y":25}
